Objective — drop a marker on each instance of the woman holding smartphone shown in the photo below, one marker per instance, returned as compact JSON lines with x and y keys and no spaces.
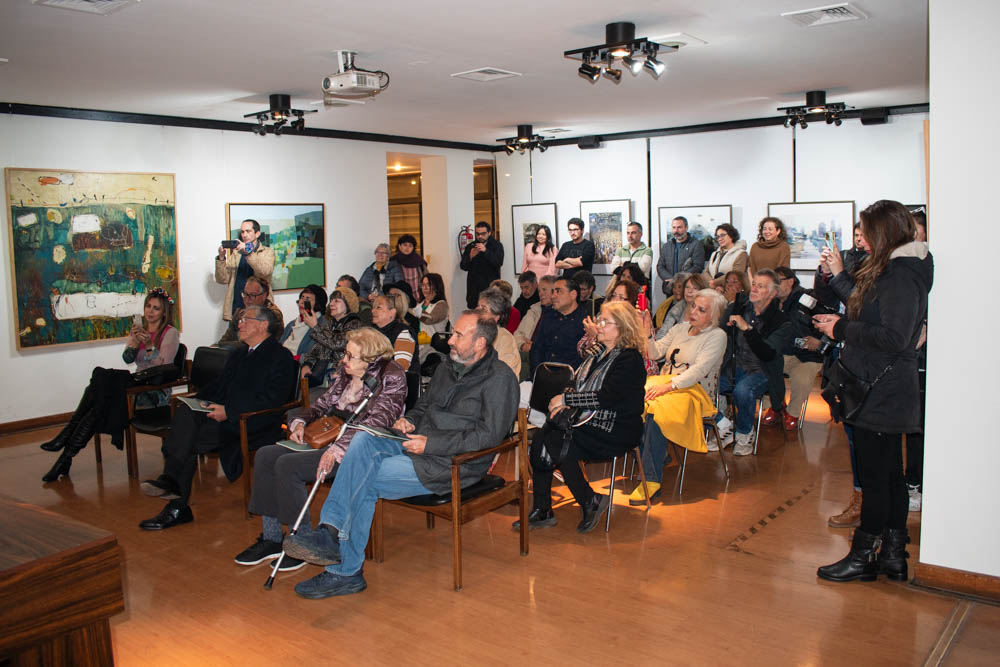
{"x":151,"y":342}
{"x":881,"y":333}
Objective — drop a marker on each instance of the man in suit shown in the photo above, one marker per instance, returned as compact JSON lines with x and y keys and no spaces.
{"x":258,"y":376}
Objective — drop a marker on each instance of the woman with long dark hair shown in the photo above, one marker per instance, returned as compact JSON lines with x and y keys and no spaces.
{"x":102,"y":408}
{"x":881,"y":332}
{"x":540,"y":256}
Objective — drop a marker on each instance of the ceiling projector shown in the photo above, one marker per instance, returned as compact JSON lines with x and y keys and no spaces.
{"x":351,"y":83}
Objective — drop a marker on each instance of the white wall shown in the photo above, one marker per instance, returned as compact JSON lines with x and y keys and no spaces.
{"x":962,"y":457}
{"x":211,"y":168}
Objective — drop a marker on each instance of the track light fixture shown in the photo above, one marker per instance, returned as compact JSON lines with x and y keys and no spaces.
{"x":524,"y":141}
{"x":815,"y":104}
{"x":279,"y":113}
{"x":622,"y":44}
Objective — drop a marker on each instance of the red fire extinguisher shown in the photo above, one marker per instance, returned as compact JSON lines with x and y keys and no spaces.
{"x":465,"y":237}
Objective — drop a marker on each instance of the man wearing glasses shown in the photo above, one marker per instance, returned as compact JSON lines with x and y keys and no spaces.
{"x":258,"y":375}
{"x":234,"y":266}
{"x":383,"y":271}
{"x":255,"y":293}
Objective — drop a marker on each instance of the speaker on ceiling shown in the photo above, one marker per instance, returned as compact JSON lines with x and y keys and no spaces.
{"x":876,"y":116}
{"x":589,"y":142}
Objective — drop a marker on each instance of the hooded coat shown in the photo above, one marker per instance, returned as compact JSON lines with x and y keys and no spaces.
{"x":886,"y":333}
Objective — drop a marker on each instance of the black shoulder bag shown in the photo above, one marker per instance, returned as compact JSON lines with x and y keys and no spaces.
{"x":846,"y":392}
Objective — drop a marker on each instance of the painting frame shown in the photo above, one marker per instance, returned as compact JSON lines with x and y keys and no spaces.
{"x":287,"y":276}
{"x":612,"y":217}
{"x":697,"y":216}
{"x":92,"y":244}
{"x":806,"y":222}
{"x":522,"y":217}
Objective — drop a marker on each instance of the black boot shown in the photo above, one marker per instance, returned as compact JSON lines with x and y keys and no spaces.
{"x":58,"y":442}
{"x":77,"y":441}
{"x":858,"y":564}
{"x":892,"y":556}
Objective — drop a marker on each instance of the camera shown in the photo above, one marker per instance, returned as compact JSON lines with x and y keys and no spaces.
{"x":809,"y":306}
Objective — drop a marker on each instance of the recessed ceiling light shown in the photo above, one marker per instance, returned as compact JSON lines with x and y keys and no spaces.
{"x":4,"y":60}
{"x":397,"y":167}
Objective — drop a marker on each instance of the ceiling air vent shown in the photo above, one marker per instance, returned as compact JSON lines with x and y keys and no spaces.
{"x":808,"y":18}
{"x":486,"y":74}
{"x":102,"y":7}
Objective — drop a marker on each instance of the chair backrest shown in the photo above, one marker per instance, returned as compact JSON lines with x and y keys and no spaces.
{"x":208,"y":365}
{"x":550,"y":380}
{"x":439,"y":342}
{"x":180,"y":359}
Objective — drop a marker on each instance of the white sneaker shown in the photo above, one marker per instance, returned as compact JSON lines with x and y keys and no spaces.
{"x":725,"y":427}
{"x":712,"y":445}
{"x":744,"y":444}
{"x":916,"y":497}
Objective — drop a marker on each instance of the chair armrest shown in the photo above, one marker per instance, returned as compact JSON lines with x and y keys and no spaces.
{"x":244,"y":416}
{"x":509,"y":443}
{"x":138,"y":389}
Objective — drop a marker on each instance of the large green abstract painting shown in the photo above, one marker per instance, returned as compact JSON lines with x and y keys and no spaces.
{"x":85,"y":249}
{"x":296,"y":234}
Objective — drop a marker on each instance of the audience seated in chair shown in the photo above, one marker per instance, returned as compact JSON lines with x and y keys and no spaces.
{"x":525,"y":332}
{"x":469,"y":407}
{"x":381,"y":272}
{"x":608,"y":388}
{"x":802,"y":358}
{"x":560,"y":327}
{"x":258,"y":376}
{"x":689,"y":285}
{"x":297,"y":336}
{"x":280,"y":474}
{"x":331,"y":336}
{"x":388,"y":313}
{"x":679,"y":398}
{"x":432,"y":312}
{"x":256,"y":292}
{"x":494,"y":304}
{"x":758,"y":332}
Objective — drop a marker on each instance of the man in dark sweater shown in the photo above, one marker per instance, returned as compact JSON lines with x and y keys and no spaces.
{"x":560,"y":327}
{"x":528,"y":283}
{"x":577,"y":253}
{"x":469,"y":406}
{"x":482,"y":260}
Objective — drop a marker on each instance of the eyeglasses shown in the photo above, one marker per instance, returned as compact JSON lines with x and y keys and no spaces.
{"x":243,"y":320}
{"x":252,"y":294}
{"x":720,"y":236}
{"x":603,"y":322}
{"x":350,"y":357}
{"x":383,"y":253}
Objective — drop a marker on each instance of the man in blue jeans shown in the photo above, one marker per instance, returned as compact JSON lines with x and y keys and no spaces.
{"x":469,"y":406}
{"x":758,"y":332}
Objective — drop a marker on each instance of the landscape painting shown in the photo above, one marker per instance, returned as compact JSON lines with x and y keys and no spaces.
{"x":85,"y":249}
{"x":808,"y":223}
{"x":296,"y":234}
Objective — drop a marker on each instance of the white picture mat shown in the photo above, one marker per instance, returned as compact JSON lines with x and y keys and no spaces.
{"x":525,"y":220}
{"x":807,"y":222}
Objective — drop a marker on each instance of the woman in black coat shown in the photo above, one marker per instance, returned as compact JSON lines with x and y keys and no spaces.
{"x":880,"y":334}
{"x":610,"y":384}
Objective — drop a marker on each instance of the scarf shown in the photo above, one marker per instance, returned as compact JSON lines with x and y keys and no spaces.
{"x":590,"y":376}
{"x":411,"y":261}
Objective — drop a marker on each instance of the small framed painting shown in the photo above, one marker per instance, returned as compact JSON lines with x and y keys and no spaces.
{"x":604,"y":224}
{"x":528,"y":220}
{"x":296,"y":233}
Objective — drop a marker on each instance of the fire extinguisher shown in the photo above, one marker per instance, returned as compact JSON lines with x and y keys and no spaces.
{"x":465,"y":237}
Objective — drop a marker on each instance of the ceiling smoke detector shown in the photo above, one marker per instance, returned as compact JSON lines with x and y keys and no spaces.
{"x":101,"y":7}
{"x":839,"y":13}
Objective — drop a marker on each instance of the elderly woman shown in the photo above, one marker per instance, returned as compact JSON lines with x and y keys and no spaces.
{"x":379,"y":273}
{"x":609,"y":384}
{"x":388,"y":313}
{"x":280,"y":474}
{"x":677,"y":294}
{"x":678,"y":312}
{"x":735,"y":283}
{"x":331,"y":336}
{"x":881,"y":333}
{"x":102,"y":409}
{"x":682,"y":394}
{"x":771,"y":249}
{"x":731,"y":255}
{"x":297,"y":336}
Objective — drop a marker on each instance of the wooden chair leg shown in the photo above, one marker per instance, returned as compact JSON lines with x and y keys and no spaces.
{"x":97,"y":447}
{"x":430,"y":521}
{"x":131,"y":454}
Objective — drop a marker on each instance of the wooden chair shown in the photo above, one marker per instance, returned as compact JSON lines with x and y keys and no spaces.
{"x":463,"y":505}
{"x":302,"y":391}
{"x":131,"y":456}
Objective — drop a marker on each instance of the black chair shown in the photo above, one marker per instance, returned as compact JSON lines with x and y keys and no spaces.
{"x":131,"y":458}
{"x":206,"y":368}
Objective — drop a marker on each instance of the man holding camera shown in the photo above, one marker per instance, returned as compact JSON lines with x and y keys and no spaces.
{"x":803,"y":355}
{"x":237,"y":261}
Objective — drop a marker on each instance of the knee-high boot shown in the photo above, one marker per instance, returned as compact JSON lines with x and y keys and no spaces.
{"x":77,"y":441}
{"x":86,"y":403}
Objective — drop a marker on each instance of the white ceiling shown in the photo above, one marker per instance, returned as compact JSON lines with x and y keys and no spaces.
{"x":220,"y":59}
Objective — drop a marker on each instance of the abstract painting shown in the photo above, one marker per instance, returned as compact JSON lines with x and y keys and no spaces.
{"x":604,"y":223}
{"x":296,"y":234}
{"x":85,"y":249}
{"x":807,"y":224}
{"x":527,"y":218}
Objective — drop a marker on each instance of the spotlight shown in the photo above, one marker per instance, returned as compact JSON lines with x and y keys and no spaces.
{"x":540,"y":145}
{"x":613,"y":74}
{"x":836,"y":121}
{"x":634,"y":66}
{"x":788,"y":121}
{"x":510,"y":148}
{"x":654,"y":66}
{"x":299,"y":125}
{"x":588,"y":71}
{"x":803,"y":124}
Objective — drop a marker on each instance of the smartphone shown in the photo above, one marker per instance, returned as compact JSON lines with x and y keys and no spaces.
{"x":137,"y":320}
{"x":641,"y":303}
{"x":831,"y":241}
{"x":308,"y":308}
{"x":229,"y":245}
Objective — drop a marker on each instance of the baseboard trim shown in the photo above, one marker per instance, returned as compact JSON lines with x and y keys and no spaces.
{"x":957,"y":581}
{"x":8,"y":428}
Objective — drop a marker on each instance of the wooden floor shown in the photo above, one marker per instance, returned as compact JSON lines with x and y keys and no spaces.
{"x":724,"y":576}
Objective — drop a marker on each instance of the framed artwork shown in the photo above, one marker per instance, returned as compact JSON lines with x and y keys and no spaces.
{"x":296,"y":234}
{"x":702,"y":220}
{"x":807,"y":223}
{"x":85,"y":250}
{"x":604,"y":224}
{"x":526,"y":219}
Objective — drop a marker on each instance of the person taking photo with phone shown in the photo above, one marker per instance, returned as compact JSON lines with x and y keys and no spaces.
{"x":235,"y":263}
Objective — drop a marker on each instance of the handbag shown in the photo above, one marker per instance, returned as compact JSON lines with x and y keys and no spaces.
{"x":323,"y":431}
{"x":846,"y":392}
{"x":157,"y":375}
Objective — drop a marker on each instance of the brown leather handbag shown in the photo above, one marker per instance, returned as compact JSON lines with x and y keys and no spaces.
{"x":323,"y":431}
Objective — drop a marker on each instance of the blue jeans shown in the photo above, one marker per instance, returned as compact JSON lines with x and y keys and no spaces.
{"x":373,"y":468}
{"x":654,"y":451}
{"x":747,"y":389}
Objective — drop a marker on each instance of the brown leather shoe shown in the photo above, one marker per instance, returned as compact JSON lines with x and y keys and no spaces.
{"x":850,"y":517}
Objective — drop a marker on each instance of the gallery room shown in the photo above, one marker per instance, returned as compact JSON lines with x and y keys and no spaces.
{"x":138,"y":136}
